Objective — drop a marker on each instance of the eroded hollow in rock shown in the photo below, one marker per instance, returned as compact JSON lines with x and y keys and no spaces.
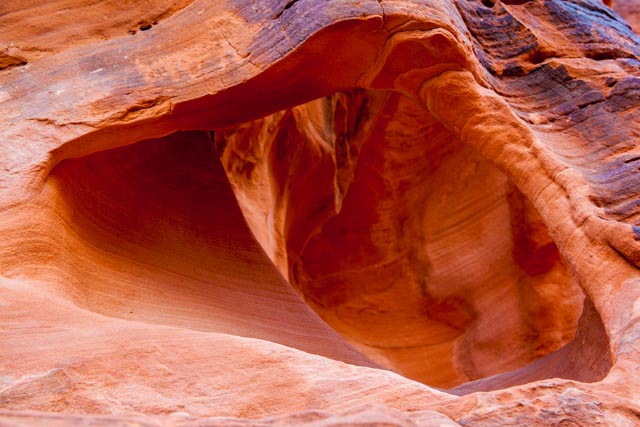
{"x":151,"y":232}
{"x":408,"y":242}
{"x":404,"y":240}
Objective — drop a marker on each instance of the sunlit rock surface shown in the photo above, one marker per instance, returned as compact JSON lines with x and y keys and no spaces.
{"x":403,"y":212}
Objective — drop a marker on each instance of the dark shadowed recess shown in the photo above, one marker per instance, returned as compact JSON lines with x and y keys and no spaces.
{"x":167,"y":244}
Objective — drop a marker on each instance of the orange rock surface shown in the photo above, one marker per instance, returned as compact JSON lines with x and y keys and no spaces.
{"x":314,"y":213}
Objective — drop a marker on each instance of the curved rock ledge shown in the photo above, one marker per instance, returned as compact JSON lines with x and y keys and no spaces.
{"x":232,"y":213}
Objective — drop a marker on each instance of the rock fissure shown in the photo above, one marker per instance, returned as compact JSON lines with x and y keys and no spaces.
{"x":287,"y":6}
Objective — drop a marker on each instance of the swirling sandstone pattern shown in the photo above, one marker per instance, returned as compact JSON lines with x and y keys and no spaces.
{"x":319,"y":213}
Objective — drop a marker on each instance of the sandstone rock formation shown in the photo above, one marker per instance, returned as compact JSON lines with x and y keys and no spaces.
{"x":319,"y":213}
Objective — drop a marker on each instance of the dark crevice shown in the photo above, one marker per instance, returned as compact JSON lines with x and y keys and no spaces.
{"x":144,"y":26}
{"x":633,"y":159}
{"x":9,"y":61}
{"x":538,"y":56}
{"x":286,"y":7}
{"x":603,"y":55}
{"x":611,"y":82}
{"x":212,"y":139}
{"x":589,"y":104}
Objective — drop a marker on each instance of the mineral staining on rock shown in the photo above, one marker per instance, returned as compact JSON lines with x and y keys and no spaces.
{"x":319,"y":213}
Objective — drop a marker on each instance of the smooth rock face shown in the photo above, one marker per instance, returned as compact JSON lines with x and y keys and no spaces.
{"x":301,"y":213}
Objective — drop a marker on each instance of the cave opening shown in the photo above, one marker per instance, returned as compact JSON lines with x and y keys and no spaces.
{"x":409,"y":243}
{"x":404,"y":240}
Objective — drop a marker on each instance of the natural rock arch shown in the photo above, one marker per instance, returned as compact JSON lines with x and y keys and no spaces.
{"x":315,"y":106}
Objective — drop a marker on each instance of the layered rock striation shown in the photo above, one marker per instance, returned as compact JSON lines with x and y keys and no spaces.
{"x":319,"y":213}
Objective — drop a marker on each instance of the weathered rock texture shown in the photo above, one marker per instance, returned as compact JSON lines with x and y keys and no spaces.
{"x":319,"y":213}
